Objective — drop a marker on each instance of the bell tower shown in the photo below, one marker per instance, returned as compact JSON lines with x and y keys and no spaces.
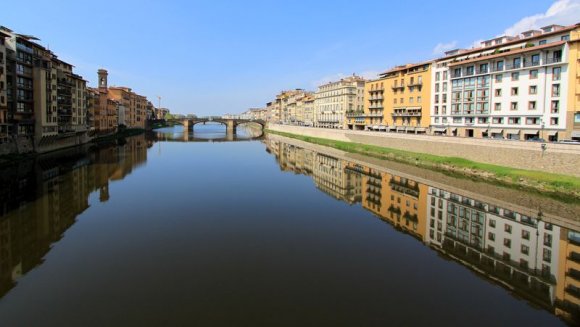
{"x":103,"y":78}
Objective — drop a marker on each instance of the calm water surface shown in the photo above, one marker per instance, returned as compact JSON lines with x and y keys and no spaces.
{"x":193,"y":230}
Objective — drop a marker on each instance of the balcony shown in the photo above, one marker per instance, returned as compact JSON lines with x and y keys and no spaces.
{"x":376,"y":91}
{"x":513,"y":66}
{"x":397,"y":87}
{"x":406,"y":114}
{"x":417,"y":83}
{"x":553,"y":60}
{"x":357,"y":114}
{"x":376,"y":107}
{"x":376,"y":98}
{"x":531,"y":63}
{"x":374,"y":115}
{"x":496,"y":68}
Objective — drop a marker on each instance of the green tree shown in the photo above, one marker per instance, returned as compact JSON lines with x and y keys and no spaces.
{"x":168,"y":116}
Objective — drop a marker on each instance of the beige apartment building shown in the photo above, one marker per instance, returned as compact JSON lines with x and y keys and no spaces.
{"x":335,"y":99}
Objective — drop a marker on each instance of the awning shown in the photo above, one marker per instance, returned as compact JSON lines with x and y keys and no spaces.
{"x":381,"y":127}
{"x":442,"y":130}
{"x":531,"y":132}
{"x":410,"y":128}
{"x":392,"y":128}
{"x":495,"y":131}
{"x":414,"y":108}
{"x":552,"y":133}
{"x":421,"y":129}
{"x":400,"y":129}
{"x":512,"y":131}
{"x":375,"y":127}
{"x":576,"y":134}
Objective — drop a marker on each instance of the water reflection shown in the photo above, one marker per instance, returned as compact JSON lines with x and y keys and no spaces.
{"x":534,"y":254}
{"x":41,"y":199}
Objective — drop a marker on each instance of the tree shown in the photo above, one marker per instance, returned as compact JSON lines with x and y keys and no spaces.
{"x":168,"y":116}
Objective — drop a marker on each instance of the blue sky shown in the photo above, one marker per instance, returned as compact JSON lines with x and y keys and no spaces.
{"x":214,"y":57}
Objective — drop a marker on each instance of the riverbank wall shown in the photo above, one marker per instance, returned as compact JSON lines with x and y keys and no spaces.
{"x":555,"y":158}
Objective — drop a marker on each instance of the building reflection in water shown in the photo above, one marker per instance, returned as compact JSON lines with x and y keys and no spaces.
{"x":41,"y":198}
{"x":512,"y":246}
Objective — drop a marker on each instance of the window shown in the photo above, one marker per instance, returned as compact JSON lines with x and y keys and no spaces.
{"x":565,"y":38}
{"x":532,"y":121}
{"x":491,"y":236}
{"x":556,"y":73}
{"x":515,"y":76}
{"x":492,"y":223}
{"x":514,"y":91}
{"x":517,"y":62}
{"x":444,"y":75}
{"x":498,"y":78}
{"x":533,"y":89}
{"x":525,"y":234}
{"x":497,"y":120}
{"x":444,"y":86}
{"x":508,"y":228}
{"x":525,"y":249}
{"x":497,"y":92}
{"x":556,"y":90}
{"x":514,"y":106}
{"x":554,"y":121}
{"x":542,"y":42}
{"x":507,"y":242}
{"x":499,"y":66}
{"x":547,"y":255}
{"x":418,"y":99}
{"x":555,"y":108}
{"x":482,"y":120}
{"x":533,"y":74}
{"x":514,"y":120}
{"x":436,"y":87}
{"x":497,"y":106}
{"x":437,"y":75}
{"x":532,"y":105}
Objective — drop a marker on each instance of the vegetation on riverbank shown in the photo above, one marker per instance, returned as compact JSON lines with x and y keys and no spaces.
{"x":562,"y":187}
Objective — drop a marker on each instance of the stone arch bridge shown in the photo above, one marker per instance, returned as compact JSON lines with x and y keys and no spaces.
{"x":230,"y":123}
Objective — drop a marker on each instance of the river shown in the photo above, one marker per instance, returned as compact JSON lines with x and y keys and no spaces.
{"x":204,"y":230}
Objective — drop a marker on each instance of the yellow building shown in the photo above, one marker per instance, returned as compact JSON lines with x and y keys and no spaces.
{"x":573,"y":112}
{"x":399,"y":99}
{"x":568,"y":280}
{"x":397,"y":200}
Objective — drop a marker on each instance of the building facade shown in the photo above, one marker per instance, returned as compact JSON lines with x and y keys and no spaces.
{"x":397,"y":101}
{"x":514,"y":87}
{"x":335,"y":99}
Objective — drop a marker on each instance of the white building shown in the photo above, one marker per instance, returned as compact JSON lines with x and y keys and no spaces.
{"x":333,"y":100}
{"x":510,"y":87}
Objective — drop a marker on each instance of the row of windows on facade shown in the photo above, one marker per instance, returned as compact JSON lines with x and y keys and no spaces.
{"x":483,"y":107}
{"x":499,"y":65}
{"x":531,"y":121}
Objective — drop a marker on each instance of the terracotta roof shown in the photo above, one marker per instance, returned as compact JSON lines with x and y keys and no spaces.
{"x":468,"y":51}
{"x":507,"y":53}
{"x":407,"y":66}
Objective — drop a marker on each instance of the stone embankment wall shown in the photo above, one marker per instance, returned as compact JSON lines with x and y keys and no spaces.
{"x":556,"y":158}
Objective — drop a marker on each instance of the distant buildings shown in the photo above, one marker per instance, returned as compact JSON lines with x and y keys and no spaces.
{"x":45,"y":106}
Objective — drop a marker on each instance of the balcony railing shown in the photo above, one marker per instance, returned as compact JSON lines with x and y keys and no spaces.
{"x":513,"y":66}
{"x":376,"y":107}
{"x":531,"y":63}
{"x":417,"y":83}
{"x":396,"y":87}
{"x":376,"y":114}
{"x":553,"y":60}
